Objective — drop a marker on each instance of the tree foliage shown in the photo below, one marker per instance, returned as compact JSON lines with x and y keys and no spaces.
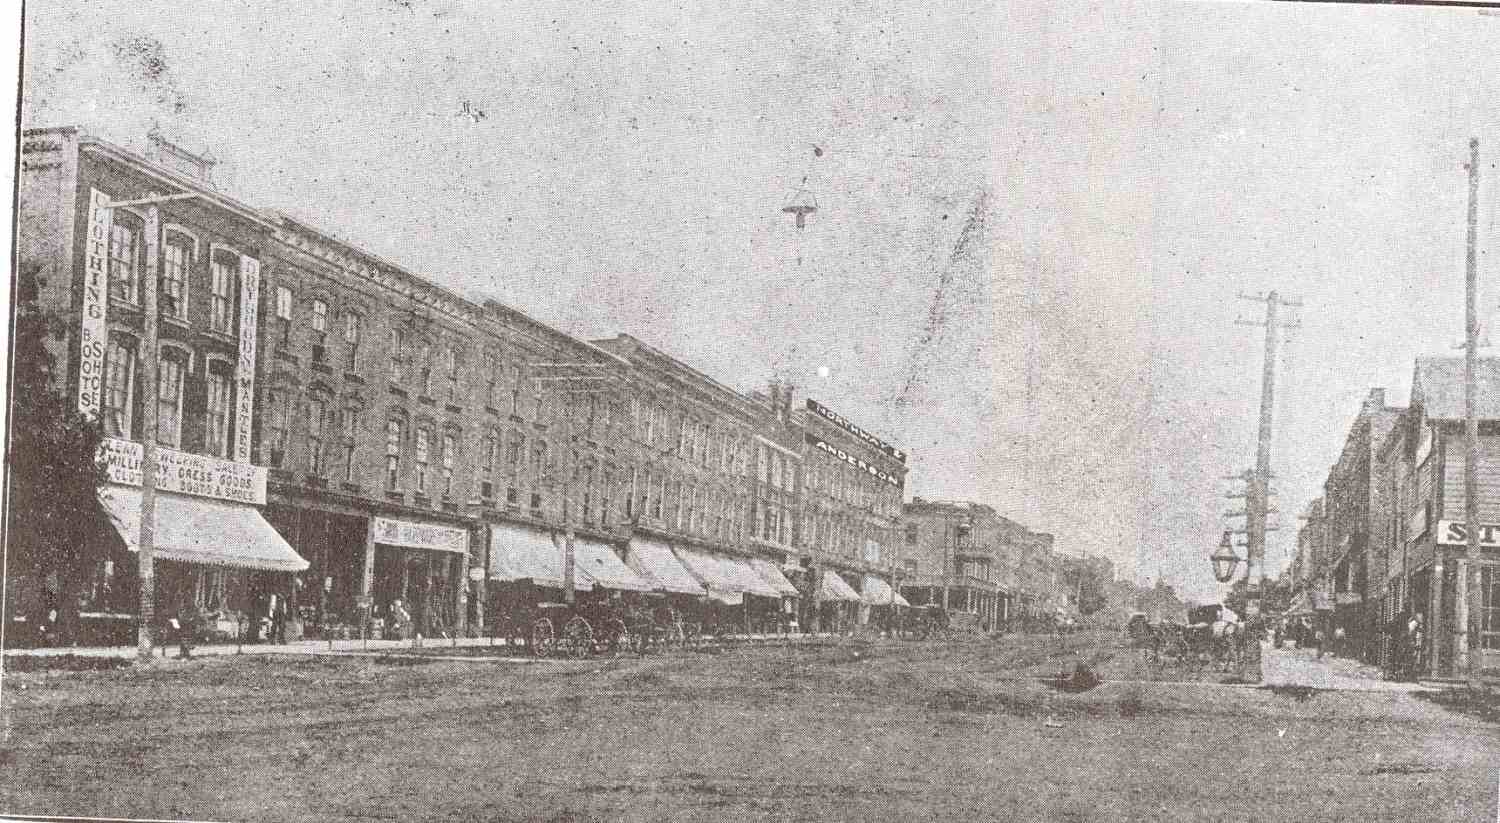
{"x":52,"y":467}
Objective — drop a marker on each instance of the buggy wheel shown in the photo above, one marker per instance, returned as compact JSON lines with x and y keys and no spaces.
{"x":616,"y":635}
{"x":578,"y":636}
{"x":543,"y":640}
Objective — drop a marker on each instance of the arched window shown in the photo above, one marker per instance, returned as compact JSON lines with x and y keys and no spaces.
{"x":125,"y":257}
{"x":176,"y":266}
{"x":353,"y":332}
{"x":488,"y":457}
{"x":317,"y":418}
{"x":395,"y":435}
{"x":538,"y":471}
{"x":220,"y":386}
{"x":349,"y":430}
{"x":424,"y":368}
{"x":171,"y":371}
{"x":224,"y":273}
{"x":119,"y":386}
{"x":422,"y":455}
{"x":319,"y":322}
{"x":398,"y":356}
{"x":450,"y":459}
{"x":278,"y":416}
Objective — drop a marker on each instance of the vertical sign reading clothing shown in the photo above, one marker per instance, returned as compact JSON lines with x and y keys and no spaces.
{"x":244,"y":370}
{"x":93,"y":333}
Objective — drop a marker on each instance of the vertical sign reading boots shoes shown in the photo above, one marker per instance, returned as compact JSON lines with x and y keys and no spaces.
{"x":93,"y":332}
{"x":244,"y":372}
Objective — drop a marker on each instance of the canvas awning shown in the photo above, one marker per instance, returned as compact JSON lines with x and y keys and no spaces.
{"x":599,"y":563}
{"x":202,"y":530}
{"x":773,"y":575}
{"x":654,"y":561}
{"x":879,"y":593}
{"x":725,"y":575}
{"x":519,"y":553}
{"x":835,"y":588}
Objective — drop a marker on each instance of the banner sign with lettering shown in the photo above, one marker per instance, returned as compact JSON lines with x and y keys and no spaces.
{"x":421,"y":535}
{"x":840,"y":454}
{"x":1456,"y":533}
{"x":93,"y":334}
{"x":185,"y":473}
{"x":244,"y":370}
{"x":842,"y":422}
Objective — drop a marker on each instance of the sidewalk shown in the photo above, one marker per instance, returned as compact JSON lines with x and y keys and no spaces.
{"x":347,"y":647}
{"x":1301,"y":667}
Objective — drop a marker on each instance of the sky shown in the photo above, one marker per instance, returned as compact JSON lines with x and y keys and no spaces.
{"x":1033,"y":220}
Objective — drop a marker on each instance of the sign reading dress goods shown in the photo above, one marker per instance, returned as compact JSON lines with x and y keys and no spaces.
{"x":185,"y":473}
{"x":93,"y":334}
{"x":421,"y":535}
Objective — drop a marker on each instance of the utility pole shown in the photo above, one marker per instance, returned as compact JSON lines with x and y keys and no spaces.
{"x":147,"y":542}
{"x":1471,"y":601}
{"x":576,"y":379}
{"x":1258,"y":482}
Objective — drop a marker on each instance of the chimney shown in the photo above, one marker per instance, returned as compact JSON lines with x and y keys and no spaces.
{"x":786,"y":401}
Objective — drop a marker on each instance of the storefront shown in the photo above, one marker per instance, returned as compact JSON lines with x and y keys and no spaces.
{"x":738,"y":594}
{"x":424,"y":565}
{"x":839,"y":602}
{"x":333,"y":543}
{"x":883,"y":602}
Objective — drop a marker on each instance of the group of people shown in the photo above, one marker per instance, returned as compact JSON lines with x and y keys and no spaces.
{"x":1407,"y":635}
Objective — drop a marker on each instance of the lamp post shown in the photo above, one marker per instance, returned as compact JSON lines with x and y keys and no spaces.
{"x":1225,"y":560}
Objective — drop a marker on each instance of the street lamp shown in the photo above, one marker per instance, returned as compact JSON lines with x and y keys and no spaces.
{"x":1224,"y":560}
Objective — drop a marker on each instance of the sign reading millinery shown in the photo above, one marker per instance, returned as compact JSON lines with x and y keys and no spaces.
{"x":1456,"y":533}
{"x":845,"y":456}
{"x":244,"y":370}
{"x":843,"y":423}
{"x":420,"y":535}
{"x":93,"y":334}
{"x":185,"y":473}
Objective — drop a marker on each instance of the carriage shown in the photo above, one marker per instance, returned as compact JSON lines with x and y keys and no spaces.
{"x":925,"y":622}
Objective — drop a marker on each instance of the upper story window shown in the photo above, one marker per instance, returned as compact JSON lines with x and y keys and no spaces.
{"x":279,"y":416}
{"x":515,"y":390}
{"x":422,"y":456}
{"x":353,"y":332}
{"x":349,"y":429}
{"x":491,"y":381}
{"x":220,"y":386}
{"x":170,"y":371}
{"x":224,"y":270}
{"x":125,"y":257}
{"x":119,"y":386}
{"x":455,"y":366}
{"x":177,"y":264}
{"x":317,"y":415}
{"x":395,"y":433}
{"x":424,"y":368}
{"x":319,"y":330}
{"x":284,"y":313}
{"x":450,"y":457}
{"x":398,"y":356}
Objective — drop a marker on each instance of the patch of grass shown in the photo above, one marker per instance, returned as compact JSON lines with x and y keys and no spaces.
{"x":64,"y":663}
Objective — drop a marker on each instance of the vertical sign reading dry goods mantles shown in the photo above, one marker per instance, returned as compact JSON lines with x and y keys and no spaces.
{"x":244,"y":371}
{"x":92,"y":333}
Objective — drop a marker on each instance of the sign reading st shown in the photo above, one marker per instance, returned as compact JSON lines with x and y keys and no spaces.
{"x":184,"y":473}
{"x":1456,"y":533}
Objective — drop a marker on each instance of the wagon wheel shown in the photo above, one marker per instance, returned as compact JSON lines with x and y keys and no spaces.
{"x":543,"y":638}
{"x":617,"y":635}
{"x":578,"y":636}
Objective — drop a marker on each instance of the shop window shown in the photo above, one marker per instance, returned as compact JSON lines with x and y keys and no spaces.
{"x":224,"y":270}
{"x":353,"y":330}
{"x":119,"y":387}
{"x":170,"y":372}
{"x":317,"y":411}
{"x":319,"y":331}
{"x":125,"y":257}
{"x":177,"y":262}
{"x":220,"y":384}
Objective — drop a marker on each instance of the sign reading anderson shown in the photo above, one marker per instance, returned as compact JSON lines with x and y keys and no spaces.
{"x":843,"y":422}
{"x":818,"y":443}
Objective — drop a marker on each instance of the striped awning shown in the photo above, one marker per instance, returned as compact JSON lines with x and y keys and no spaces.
{"x":519,"y":553}
{"x":877,"y":592}
{"x":655,"y":562}
{"x":202,"y":530}
{"x":773,"y":575}
{"x":599,"y":563}
{"x":835,"y":587}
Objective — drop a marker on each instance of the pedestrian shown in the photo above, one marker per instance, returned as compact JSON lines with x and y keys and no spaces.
{"x":1319,"y":639}
{"x":187,"y":627}
{"x":1415,"y":639}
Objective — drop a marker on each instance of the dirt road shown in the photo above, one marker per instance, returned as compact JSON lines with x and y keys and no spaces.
{"x":856,"y":732}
